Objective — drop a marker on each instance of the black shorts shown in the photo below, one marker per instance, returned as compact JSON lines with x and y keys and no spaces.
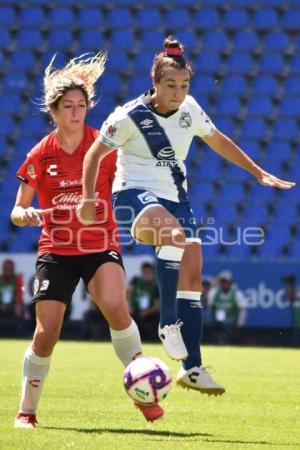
{"x":57,"y":275}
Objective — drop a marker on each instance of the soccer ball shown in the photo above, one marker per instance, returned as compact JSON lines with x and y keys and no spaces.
{"x":147,"y":380}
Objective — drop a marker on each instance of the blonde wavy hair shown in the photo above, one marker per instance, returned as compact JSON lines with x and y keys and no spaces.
{"x":81,"y":73}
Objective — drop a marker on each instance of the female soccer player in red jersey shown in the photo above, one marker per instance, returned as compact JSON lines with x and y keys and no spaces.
{"x":67,"y":250}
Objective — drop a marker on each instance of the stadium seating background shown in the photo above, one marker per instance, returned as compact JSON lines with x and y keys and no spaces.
{"x":246,"y":60}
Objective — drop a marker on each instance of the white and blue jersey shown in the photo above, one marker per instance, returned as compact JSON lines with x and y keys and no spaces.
{"x":152,"y":147}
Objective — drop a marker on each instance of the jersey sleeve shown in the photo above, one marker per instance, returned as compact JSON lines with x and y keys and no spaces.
{"x":29,"y":171}
{"x":203,"y":126}
{"x":117,"y":129}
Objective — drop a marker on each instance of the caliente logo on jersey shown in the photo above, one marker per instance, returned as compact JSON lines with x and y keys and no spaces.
{"x":166,"y":153}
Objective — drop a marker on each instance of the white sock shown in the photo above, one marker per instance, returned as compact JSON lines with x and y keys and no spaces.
{"x":127,"y":343}
{"x":35,"y":370}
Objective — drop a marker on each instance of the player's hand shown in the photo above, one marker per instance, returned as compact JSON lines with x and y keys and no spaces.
{"x":31,"y":217}
{"x":267,"y":179}
{"x":86,"y":212}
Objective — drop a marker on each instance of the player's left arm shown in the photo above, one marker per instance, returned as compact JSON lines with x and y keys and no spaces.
{"x":225,"y":147}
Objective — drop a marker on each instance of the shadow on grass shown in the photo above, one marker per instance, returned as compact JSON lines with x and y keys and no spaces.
{"x":173,"y":434}
{"x":130,"y":431}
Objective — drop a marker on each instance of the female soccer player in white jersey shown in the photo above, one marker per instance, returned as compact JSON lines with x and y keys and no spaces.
{"x":67,"y":250}
{"x":153,"y":134}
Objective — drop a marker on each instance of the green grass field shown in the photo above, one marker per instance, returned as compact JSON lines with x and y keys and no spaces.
{"x":84,"y":405}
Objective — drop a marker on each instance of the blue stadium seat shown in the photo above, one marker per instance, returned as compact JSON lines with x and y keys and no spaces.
{"x":122,"y":41}
{"x":90,"y":40}
{"x":238,"y":250}
{"x":60,"y":39}
{"x":287,"y":214}
{"x":143,"y":62}
{"x":117,"y":61}
{"x":285,"y":129}
{"x":276,"y":41}
{"x":260,"y":195}
{"x":279,"y":150}
{"x":265,"y":19}
{"x":270,"y":249}
{"x":29,"y":38}
{"x":224,"y":213}
{"x":232,"y":192}
{"x":204,"y":84}
{"x":111,"y":84}
{"x":291,"y":20}
{"x":32,"y":17}
{"x":152,"y":40}
{"x":278,"y":233}
{"x":15,"y":82}
{"x":204,"y":19}
{"x":148,"y":18}
{"x":207,"y":62}
{"x":234,"y":173}
{"x":5,"y":38}
{"x":61,"y":18}
{"x":184,"y":3}
{"x":106,"y":105}
{"x":225,"y":124}
{"x":209,"y":251}
{"x":199,"y":193}
{"x":22,"y":60}
{"x":253,"y":216}
{"x":177,"y":18}
{"x":294,"y":64}
{"x":265,"y":85}
{"x":33,"y":126}
{"x":291,"y":196}
{"x":210,"y":168}
{"x":236,"y":19}
{"x":3,"y":145}
{"x":240,"y":63}
{"x":253,"y":128}
{"x":251,"y":147}
{"x":228,"y":105}
{"x":7,"y":16}
{"x":294,"y":249}
{"x":10,"y":104}
{"x":259,"y":106}
{"x":24,"y":144}
{"x":245,"y":40}
{"x":234,"y":84}
{"x":6,"y":126}
{"x":215,"y":40}
{"x":292,"y":85}
{"x":89,"y":18}
{"x":290,"y":107}
{"x":59,"y":61}
{"x":271,"y":63}
{"x":188,"y":38}
{"x":118,"y":18}
{"x":138,"y":84}
{"x":294,"y":175}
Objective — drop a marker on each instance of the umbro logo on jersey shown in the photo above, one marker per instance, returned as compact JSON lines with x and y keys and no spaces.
{"x":147,"y":197}
{"x":147,"y":123}
{"x":52,"y":170}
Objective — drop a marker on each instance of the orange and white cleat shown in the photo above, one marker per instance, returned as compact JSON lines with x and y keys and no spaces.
{"x":23,"y":420}
{"x":151,"y":412}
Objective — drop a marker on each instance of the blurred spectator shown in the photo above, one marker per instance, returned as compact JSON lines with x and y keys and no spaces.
{"x":228,"y":306}
{"x":143,"y":298}
{"x":292,"y":294}
{"x":11,"y":291}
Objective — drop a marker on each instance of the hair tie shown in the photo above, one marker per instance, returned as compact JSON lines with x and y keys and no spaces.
{"x":171,"y":51}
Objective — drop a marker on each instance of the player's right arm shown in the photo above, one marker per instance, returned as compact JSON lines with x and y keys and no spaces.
{"x":86,"y":211}
{"x":23,"y":214}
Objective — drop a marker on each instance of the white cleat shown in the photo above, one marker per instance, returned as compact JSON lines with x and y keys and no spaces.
{"x":23,"y":420}
{"x":171,"y":338}
{"x":198,"y":378}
